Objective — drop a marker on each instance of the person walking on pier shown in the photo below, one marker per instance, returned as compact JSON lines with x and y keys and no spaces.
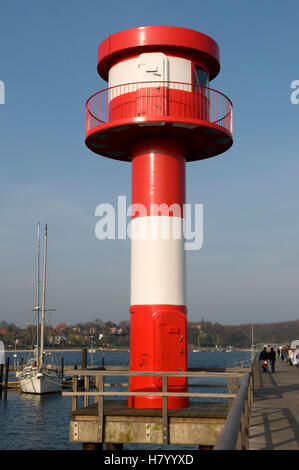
{"x":272,"y":359}
{"x":264,"y":356}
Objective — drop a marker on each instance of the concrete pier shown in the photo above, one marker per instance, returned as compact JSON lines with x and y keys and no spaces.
{"x":274,"y":423}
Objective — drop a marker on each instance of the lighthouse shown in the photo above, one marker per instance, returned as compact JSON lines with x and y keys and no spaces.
{"x":158,"y":113}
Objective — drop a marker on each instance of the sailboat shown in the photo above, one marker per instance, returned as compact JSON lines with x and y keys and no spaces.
{"x":36,"y":376}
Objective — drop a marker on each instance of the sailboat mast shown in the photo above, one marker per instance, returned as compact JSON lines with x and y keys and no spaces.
{"x":43,"y":300}
{"x":38,"y":290}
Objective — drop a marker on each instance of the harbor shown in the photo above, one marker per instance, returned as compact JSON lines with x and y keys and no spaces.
{"x":266,"y":419}
{"x":25,"y":415}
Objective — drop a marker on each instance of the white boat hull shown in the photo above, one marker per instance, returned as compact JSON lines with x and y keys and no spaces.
{"x":40,"y":383}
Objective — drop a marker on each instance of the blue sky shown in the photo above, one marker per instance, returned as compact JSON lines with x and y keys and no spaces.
{"x":247,"y":270}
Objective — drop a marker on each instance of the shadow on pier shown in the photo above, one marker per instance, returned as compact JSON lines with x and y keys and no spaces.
{"x":275,"y":411}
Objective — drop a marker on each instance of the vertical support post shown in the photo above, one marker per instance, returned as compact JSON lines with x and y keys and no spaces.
{"x":75,"y":389}
{"x":243,"y":429}
{"x":62,"y":367}
{"x":6,"y":378}
{"x":230,"y":389}
{"x":84,"y":358}
{"x":100,"y":400}
{"x":251,"y":388}
{"x":86,"y":389}
{"x":165,"y":410}
{"x":112,"y":446}
{"x":92,"y":446}
{"x":247,"y":415}
{"x":154,"y":276}
{"x":1,"y":379}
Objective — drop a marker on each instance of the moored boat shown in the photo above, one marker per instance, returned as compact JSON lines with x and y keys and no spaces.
{"x":36,"y":376}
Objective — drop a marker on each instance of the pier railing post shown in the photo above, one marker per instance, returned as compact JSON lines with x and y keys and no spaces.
{"x":62,"y":367}
{"x":100,"y":401}
{"x":1,"y":379}
{"x":251,"y":388}
{"x":86,"y":389}
{"x":247,"y":409}
{"x":243,"y":429}
{"x":230,"y":389}
{"x":75,"y":389}
{"x":165,"y":410}
{"x":6,"y":378}
{"x":84,"y":358}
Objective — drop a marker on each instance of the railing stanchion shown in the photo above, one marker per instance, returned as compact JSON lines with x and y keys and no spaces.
{"x":230,"y":389}
{"x":165,"y":410}
{"x":100,"y":388}
{"x":75,"y":389}
{"x":86,"y":388}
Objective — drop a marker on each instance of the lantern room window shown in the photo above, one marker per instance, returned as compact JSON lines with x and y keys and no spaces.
{"x":200,"y":78}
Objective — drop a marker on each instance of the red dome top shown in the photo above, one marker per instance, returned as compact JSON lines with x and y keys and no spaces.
{"x":171,"y":39}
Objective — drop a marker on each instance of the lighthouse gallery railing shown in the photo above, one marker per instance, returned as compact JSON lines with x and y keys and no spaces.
{"x":146,"y":101}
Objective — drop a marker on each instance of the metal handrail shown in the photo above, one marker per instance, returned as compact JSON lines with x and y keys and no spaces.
{"x":175,"y":100}
{"x":235,"y":432}
{"x":228,"y":438}
{"x":156,"y":82}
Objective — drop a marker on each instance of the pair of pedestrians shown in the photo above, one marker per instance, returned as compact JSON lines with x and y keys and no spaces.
{"x":271,"y":356}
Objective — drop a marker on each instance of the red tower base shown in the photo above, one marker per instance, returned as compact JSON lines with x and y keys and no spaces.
{"x":159,"y":342}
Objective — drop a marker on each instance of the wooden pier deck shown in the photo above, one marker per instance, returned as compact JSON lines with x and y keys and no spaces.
{"x":274,"y":423}
{"x":199,"y":424}
{"x":113,"y":423}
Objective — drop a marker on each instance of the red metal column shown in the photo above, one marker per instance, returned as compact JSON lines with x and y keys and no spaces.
{"x":158,"y":311}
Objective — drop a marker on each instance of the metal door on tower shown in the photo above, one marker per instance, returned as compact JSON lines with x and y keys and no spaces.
{"x":152,"y":98}
{"x":170,"y":346}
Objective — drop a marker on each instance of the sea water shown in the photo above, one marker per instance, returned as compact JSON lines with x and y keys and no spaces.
{"x":42,"y":422}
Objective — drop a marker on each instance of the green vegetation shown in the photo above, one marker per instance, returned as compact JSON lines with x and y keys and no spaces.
{"x":209,"y":334}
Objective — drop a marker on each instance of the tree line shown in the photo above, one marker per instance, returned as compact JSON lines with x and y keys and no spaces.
{"x":110,"y":334}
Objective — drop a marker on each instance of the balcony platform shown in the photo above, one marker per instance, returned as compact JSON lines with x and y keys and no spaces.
{"x":120,"y":116}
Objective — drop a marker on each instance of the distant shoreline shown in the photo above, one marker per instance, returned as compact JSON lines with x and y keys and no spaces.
{"x":65,"y":350}
{"x":103,"y":350}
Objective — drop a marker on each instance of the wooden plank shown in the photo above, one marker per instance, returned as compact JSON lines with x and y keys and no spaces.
{"x":146,"y":419}
{"x":198,"y":409}
{"x":147,"y":432}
